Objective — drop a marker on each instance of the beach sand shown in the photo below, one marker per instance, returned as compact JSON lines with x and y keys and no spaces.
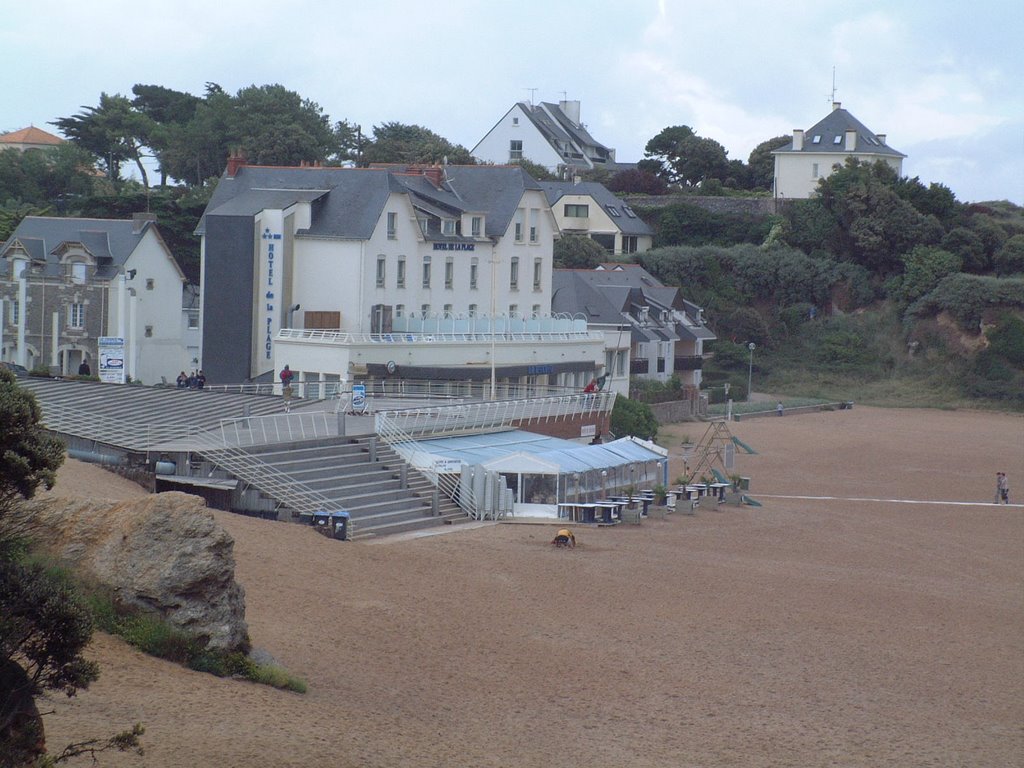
{"x":845,"y":631}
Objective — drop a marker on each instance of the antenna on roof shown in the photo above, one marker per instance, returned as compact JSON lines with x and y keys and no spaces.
{"x":532,"y":91}
{"x":832,"y":98}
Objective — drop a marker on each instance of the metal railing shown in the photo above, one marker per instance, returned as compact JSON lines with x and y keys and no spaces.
{"x":280,"y":428}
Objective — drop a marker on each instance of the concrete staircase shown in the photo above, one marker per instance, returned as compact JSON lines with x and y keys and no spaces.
{"x":363,"y":476}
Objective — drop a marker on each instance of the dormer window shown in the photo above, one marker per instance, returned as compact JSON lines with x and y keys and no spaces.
{"x":448,"y":226}
{"x":477,"y":226}
{"x":78,"y":271}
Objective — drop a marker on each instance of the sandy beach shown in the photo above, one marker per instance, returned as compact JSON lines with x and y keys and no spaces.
{"x":871,"y":613}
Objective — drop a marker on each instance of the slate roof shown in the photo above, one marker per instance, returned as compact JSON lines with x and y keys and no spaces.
{"x":350,"y":201}
{"x":110,"y":241}
{"x":613,"y":296}
{"x":834,"y":125}
{"x":628,"y":224}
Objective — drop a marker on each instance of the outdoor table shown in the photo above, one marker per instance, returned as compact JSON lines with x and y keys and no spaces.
{"x":609,"y":510}
{"x":586,"y":512}
{"x":566,"y":510}
{"x":718,"y":490}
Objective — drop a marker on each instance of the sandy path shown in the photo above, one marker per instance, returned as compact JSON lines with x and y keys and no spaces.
{"x":805,"y":633}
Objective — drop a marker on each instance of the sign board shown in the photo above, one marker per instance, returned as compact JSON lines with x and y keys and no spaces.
{"x":358,"y":397}
{"x":111,"y":353}
{"x":447,"y":466}
{"x":588,"y":430}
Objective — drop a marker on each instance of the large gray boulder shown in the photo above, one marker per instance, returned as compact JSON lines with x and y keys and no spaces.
{"x":164,"y":553}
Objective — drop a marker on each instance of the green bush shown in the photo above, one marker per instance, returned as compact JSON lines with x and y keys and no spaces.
{"x":966,"y":297}
{"x":630,"y":417}
{"x":1007,"y":339}
{"x":1009,"y":259}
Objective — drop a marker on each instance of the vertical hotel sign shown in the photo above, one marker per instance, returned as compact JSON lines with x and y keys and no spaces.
{"x":271,"y":242}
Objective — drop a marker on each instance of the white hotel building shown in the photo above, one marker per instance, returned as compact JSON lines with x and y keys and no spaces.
{"x":439,"y":273}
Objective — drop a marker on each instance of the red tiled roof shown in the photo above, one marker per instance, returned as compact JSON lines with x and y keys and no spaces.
{"x":30,"y":135}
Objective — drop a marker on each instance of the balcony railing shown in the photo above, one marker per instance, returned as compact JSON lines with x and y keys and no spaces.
{"x":689,"y":363}
{"x":639,"y":366}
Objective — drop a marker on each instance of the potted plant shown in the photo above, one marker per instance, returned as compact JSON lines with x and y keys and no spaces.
{"x":660,"y":494}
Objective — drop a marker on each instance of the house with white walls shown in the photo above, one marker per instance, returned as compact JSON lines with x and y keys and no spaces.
{"x":588,"y":209}
{"x":436,"y":273}
{"x":650,"y":331}
{"x":67,"y":283}
{"x":814,"y":153}
{"x":551,"y":135}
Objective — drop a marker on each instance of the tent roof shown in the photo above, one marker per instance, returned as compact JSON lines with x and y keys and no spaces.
{"x":517,"y":451}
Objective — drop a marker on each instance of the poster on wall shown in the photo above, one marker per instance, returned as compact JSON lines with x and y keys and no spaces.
{"x":111,"y":349}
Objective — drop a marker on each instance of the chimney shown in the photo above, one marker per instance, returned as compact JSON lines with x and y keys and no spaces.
{"x":880,"y":137}
{"x":571,"y":109}
{"x":434,"y":174}
{"x":139,"y":220}
{"x":851,"y":140}
{"x":836,"y":105}
{"x":236,"y":160}
{"x":798,"y":139}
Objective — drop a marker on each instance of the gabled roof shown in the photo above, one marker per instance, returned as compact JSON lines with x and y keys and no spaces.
{"x":30,"y":135}
{"x":621,"y":214}
{"x":109,"y":241}
{"x":834,"y":126}
{"x":613,"y":296}
{"x":350,"y":201}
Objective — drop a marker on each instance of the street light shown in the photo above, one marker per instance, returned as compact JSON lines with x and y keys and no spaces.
{"x":750,"y":369}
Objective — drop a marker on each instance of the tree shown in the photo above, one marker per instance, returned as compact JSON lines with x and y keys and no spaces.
{"x":637,"y":182}
{"x":578,"y":252}
{"x":400,"y":143}
{"x":686,"y":158}
{"x":969,"y":247}
{"x":536,"y":171}
{"x":29,"y":455}
{"x":923,"y":269}
{"x":762,"y":162}
{"x":113,"y":131}
{"x":1009,"y":259}
{"x":41,"y":177}
{"x":631,"y":417}
{"x":275,"y":126}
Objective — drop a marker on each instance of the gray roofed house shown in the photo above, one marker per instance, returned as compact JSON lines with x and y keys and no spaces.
{"x":67,"y":282}
{"x":607,"y":219}
{"x":549,"y":134}
{"x":662,"y":333}
{"x":812,"y":155}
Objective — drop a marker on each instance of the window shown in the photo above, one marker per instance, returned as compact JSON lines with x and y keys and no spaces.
{"x":78,"y":272}
{"x":519,"y":226}
{"x":513,"y":310}
{"x":401,"y":272}
{"x":474,"y":273}
{"x":76,"y":315}
{"x":392,"y":225}
{"x":816,"y":139}
{"x":193,"y":318}
{"x":381,"y":270}
{"x":477,"y":225}
{"x":576,"y":211}
{"x":515,"y":121}
{"x":515,"y":149}
{"x":613,"y":211}
{"x":150,"y":283}
{"x":472,"y":310}
{"x":449,"y":272}
{"x":538,"y":271}
{"x":814,"y":171}
{"x":448,"y":226}
{"x":837,"y":140}
{"x":629,"y":243}
{"x":424,"y":310}
{"x":536,"y":310}
{"x":399,"y":310}
{"x":426,"y":271}
{"x":15,"y":312}
{"x":629,"y":211}
{"x":447,"y":310}
{"x":424,"y":225}
{"x":534,"y":216}
{"x":149,"y":331}
{"x":641,"y":350}
{"x":513,"y":275}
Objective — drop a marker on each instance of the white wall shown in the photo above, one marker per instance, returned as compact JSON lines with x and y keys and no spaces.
{"x":494,"y":147}
{"x":794,"y":171}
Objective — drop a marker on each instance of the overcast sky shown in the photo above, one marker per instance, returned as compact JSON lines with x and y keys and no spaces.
{"x":943,"y":79}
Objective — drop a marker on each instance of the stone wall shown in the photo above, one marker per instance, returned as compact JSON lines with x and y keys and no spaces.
{"x":753,"y":206}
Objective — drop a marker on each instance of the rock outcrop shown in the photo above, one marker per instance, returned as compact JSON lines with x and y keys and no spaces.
{"x":164,"y":553}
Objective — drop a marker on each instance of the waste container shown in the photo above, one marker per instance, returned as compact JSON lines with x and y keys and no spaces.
{"x":333,"y":524}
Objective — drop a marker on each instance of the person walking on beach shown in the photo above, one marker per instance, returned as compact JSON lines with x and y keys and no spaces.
{"x":1002,"y":488}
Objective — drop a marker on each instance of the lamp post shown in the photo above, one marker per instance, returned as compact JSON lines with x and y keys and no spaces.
{"x":750,"y":368}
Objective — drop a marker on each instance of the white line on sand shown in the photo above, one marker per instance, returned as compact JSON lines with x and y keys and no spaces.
{"x":886,"y":501}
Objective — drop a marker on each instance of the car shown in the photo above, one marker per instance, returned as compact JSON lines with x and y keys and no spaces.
{"x":18,"y":370}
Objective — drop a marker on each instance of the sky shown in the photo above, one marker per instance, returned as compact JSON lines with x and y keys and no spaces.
{"x":944,"y":79}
